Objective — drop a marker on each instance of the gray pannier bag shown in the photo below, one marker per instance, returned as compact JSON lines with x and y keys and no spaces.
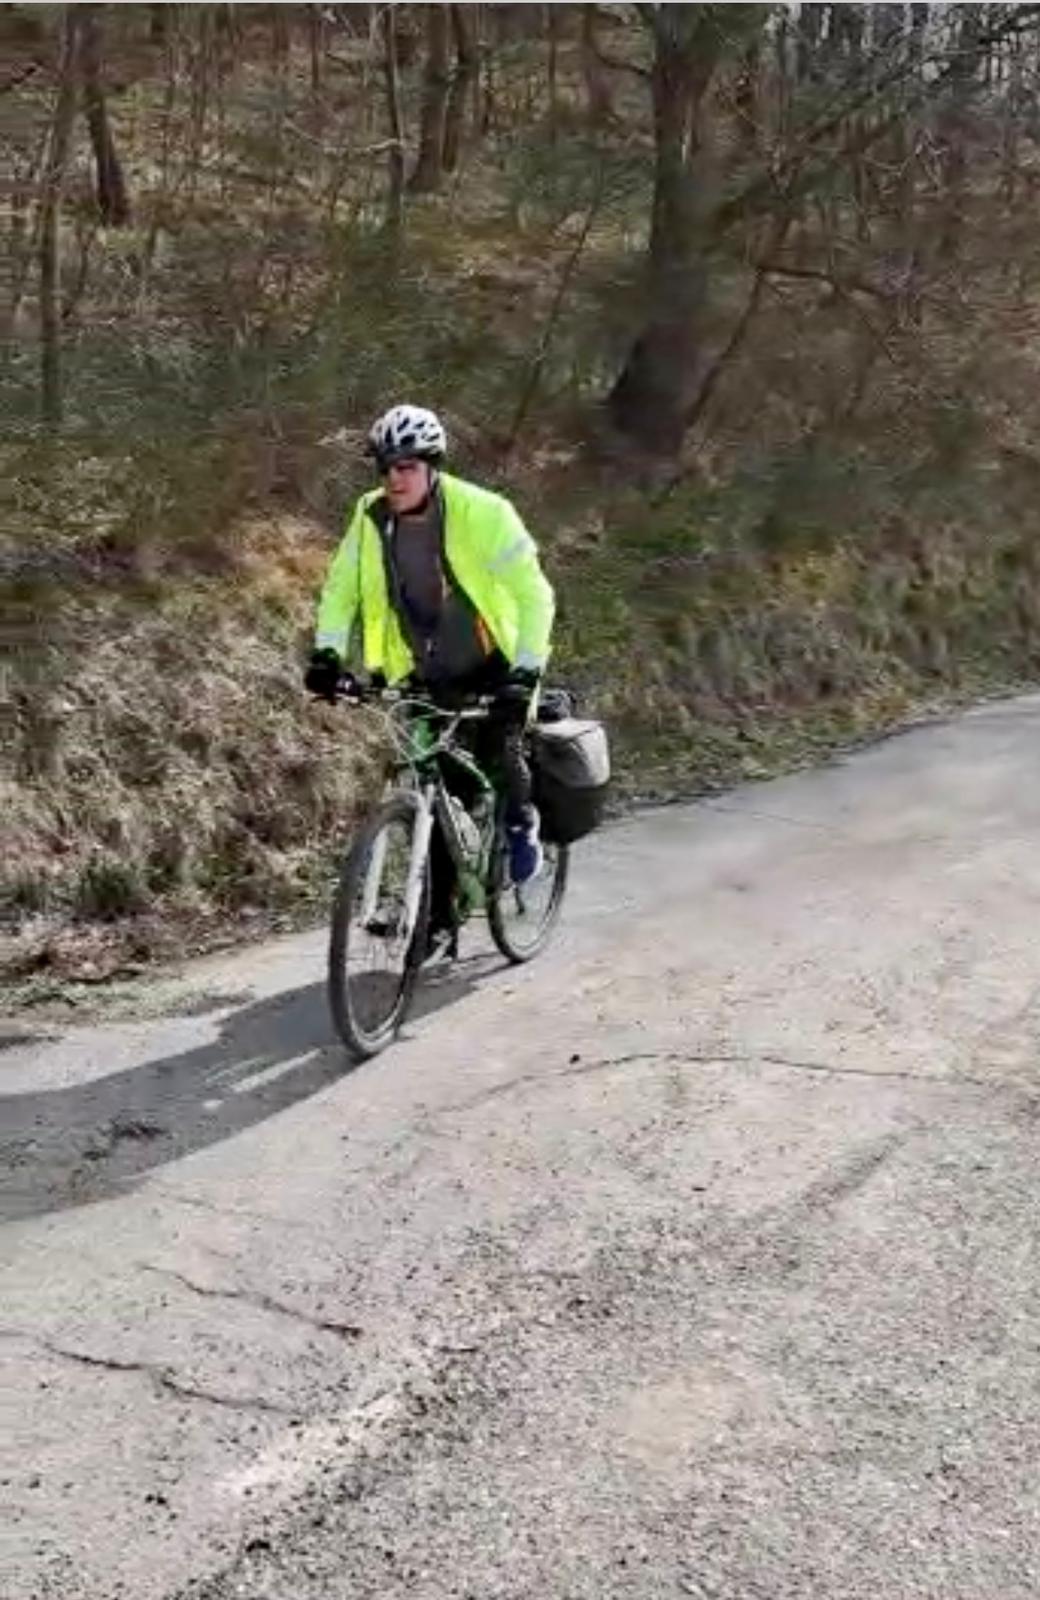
{"x":570,"y":765}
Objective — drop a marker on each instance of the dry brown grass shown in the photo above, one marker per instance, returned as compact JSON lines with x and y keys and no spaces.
{"x":169,"y":780}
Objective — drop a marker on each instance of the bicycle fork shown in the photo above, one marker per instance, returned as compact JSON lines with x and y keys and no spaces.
{"x":421,"y":831}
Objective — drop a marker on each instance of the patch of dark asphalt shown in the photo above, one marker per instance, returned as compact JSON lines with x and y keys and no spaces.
{"x":12,"y":1040}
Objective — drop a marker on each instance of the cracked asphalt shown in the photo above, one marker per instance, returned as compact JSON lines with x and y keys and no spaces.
{"x":699,"y":1258}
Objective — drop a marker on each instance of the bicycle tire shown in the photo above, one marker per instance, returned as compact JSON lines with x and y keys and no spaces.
{"x":514,"y":951}
{"x":363,"y":1042}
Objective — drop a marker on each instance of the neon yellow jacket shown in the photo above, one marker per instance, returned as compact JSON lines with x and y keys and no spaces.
{"x":493,"y":559}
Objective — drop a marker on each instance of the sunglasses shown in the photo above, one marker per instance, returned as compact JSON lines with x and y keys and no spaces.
{"x":407,"y":467}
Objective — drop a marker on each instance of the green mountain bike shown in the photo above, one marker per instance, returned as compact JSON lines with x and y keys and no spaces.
{"x":381,"y":917}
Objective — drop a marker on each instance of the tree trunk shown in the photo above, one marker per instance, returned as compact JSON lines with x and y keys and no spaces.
{"x":746,"y":97}
{"x":112,"y":201}
{"x":281,"y":37}
{"x":168,"y":123}
{"x":919,"y":19}
{"x":478,"y":23}
{"x":429,"y":168}
{"x":650,"y":400}
{"x":1016,"y":101}
{"x":954,"y":126}
{"x":784,"y":75}
{"x":409,"y":34}
{"x":889,"y":27}
{"x":552,"y":34}
{"x":23,"y":236}
{"x":597,"y":89}
{"x":849,"y":24}
{"x":316,"y":41}
{"x":489,"y":90}
{"x":359,"y":20}
{"x":227,"y":29}
{"x":395,"y":190}
{"x":906,"y":185}
{"x":200,"y":86}
{"x":51,"y":393}
{"x":810,"y":28}
{"x":467,"y":62}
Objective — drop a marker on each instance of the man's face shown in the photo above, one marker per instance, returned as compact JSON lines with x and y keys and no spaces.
{"x":407,"y":485}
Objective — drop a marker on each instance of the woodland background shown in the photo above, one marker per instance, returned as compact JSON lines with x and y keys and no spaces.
{"x":739,"y":302}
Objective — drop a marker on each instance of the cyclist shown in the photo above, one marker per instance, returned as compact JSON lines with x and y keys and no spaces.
{"x":442,"y":582}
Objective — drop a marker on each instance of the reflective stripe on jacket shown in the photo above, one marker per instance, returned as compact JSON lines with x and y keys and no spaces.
{"x":492,"y":558}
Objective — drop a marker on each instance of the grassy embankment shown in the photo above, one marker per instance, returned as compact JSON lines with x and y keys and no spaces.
{"x":823,"y":570}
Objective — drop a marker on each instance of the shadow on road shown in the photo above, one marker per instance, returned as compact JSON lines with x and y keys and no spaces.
{"x":68,"y":1147}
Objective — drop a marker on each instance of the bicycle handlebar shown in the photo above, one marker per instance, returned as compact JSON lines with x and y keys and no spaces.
{"x":350,"y":692}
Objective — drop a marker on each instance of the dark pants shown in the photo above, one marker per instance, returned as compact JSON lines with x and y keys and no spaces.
{"x":498,"y":743}
{"x":498,"y":747}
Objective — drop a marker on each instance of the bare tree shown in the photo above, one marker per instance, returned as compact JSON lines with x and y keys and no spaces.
{"x":395,"y":189}
{"x":112,"y":199}
{"x":954,"y":122}
{"x":51,"y":392}
{"x":467,"y":65}
{"x":597,"y":89}
{"x":746,"y":95}
{"x":159,"y":22}
{"x":429,"y":167}
{"x":316,"y":42}
{"x":650,"y":400}
{"x":202,"y":46}
{"x":552,"y":29}
{"x":809,"y":25}
{"x":281,"y":36}
{"x":23,"y":234}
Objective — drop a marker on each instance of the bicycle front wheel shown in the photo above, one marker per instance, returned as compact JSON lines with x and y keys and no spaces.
{"x":522,"y":916}
{"x":373,"y":958}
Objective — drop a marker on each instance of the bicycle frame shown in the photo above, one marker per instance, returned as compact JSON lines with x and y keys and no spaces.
{"x":422,"y":751}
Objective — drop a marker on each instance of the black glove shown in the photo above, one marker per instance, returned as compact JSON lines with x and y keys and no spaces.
{"x":513,"y":699}
{"x":323,"y":674}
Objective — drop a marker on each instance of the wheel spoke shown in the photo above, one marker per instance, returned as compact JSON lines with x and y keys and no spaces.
{"x":370,"y":976}
{"x":522,"y":915}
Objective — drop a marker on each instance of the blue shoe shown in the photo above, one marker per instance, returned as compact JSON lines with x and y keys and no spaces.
{"x":526,"y":856}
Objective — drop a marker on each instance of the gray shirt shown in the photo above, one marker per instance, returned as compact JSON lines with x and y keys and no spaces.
{"x":442,"y":622}
{"x":417,"y":558}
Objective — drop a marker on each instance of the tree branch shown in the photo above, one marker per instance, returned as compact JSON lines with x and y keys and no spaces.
{"x":841,"y":284}
{"x":545,"y":341}
{"x":708,"y":384}
{"x":620,"y":66}
{"x":793,"y":178}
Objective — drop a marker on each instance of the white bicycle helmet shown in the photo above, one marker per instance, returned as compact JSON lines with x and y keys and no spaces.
{"x":407,"y":432}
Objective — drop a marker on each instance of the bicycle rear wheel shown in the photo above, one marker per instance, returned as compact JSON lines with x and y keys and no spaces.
{"x":522,"y":916}
{"x":373,"y":962}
